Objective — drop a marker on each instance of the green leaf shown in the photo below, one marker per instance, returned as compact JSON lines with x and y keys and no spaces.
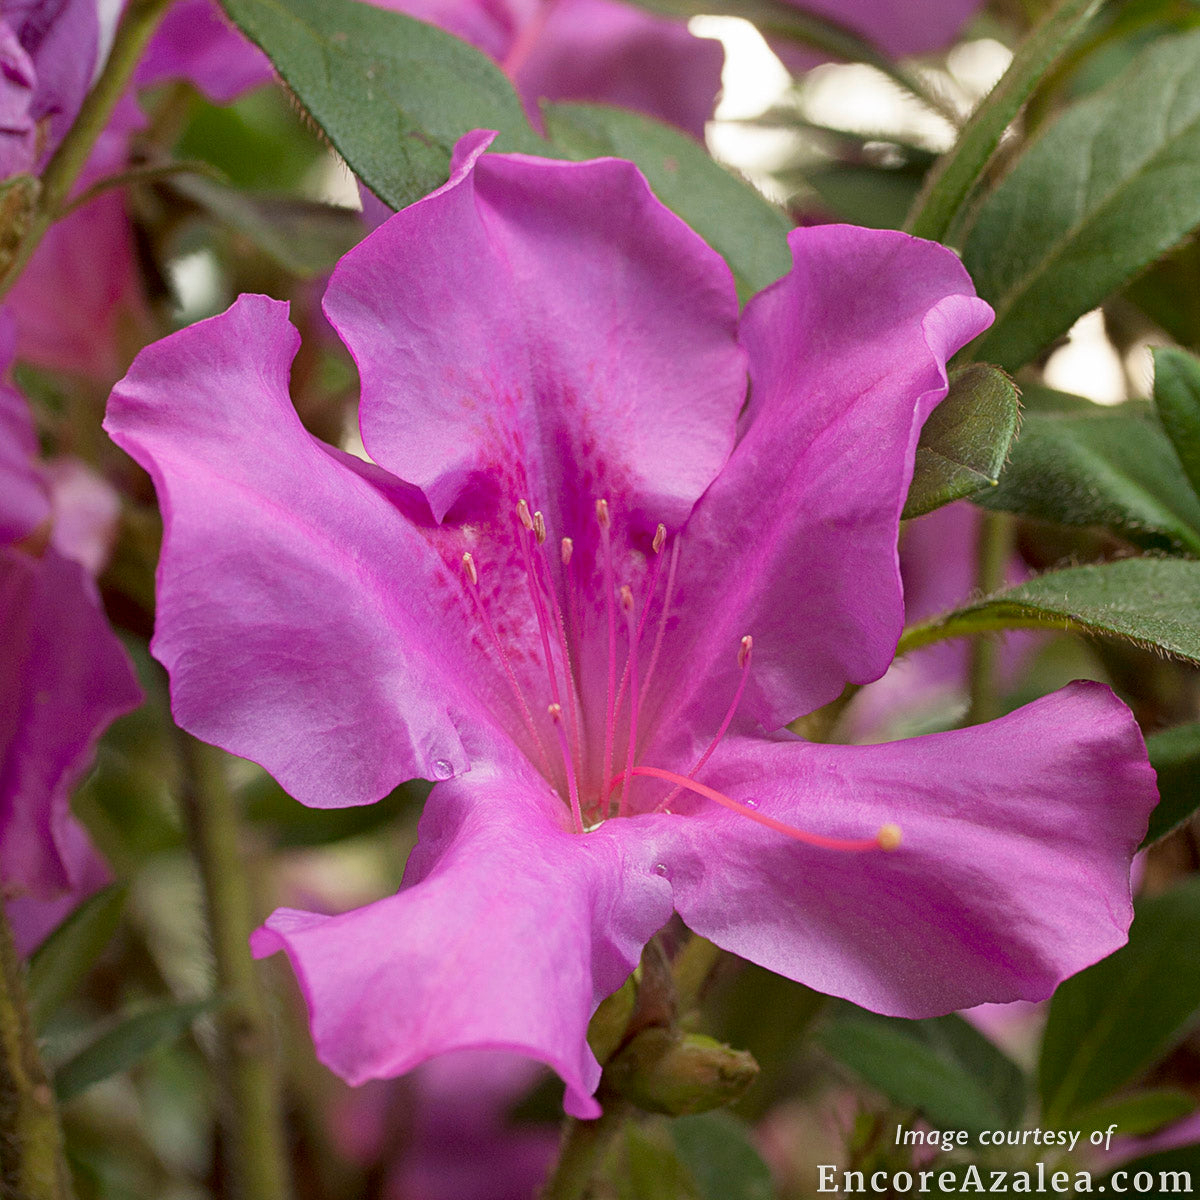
{"x":951,"y":181}
{"x":391,"y":93}
{"x":1169,"y":293}
{"x":965,"y":441}
{"x":1149,"y":601}
{"x":876,"y":197}
{"x":1177,"y":397}
{"x":1110,"y":1023}
{"x":724,"y":210}
{"x":650,"y":1168}
{"x":1139,"y":1113}
{"x":302,"y":236}
{"x":1099,"y":196}
{"x":944,"y":1069}
{"x":59,"y":964}
{"x":1112,"y":468}
{"x":126,"y":1045}
{"x":1175,"y":756}
{"x":717,"y":1152}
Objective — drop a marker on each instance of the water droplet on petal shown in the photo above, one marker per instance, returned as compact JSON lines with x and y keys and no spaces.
{"x":750,"y":803}
{"x":442,"y":769}
{"x":660,"y":869}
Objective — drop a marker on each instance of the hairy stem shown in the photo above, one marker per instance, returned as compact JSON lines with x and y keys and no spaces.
{"x":137,"y":25}
{"x":253,"y":1118}
{"x":949,"y":184}
{"x":582,"y":1149}
{"x":31,"y":1149}
{"x":992,"y":554}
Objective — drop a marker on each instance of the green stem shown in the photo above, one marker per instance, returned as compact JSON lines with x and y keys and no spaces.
{"x":254,"y":1122}
{"x":149,"y":173}
{"x":31,"y":1148}
{"x":693,"y":966}
{"x":137,"y":25}
{"x":954,"y":175}
{"x":993,"y":551}
{"x":583,"y":1146}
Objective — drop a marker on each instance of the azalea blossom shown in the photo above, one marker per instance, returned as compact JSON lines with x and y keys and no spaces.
{"x":65,"y":674}
{"x":613,"y":538}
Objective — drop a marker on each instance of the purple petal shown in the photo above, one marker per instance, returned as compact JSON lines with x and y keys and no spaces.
{"x":612,"y":53}
{"x":898,"y":27}
{"x":63,"y":677}
{"x":18,"y":142}
{"x":507,"y":933}
{"x":543,"y":329}
{"x":61,"y":38}
{"x":303,"y":620}
{"x":24,"y":504}
{"x":1013,"y":872}
{"x":87,"y":509}
{"x":795,"y":542}
{"x":196,"y":42}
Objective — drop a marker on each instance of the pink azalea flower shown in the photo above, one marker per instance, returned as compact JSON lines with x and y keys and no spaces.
{"x":584,"y":587}
{"x":63,"y":674}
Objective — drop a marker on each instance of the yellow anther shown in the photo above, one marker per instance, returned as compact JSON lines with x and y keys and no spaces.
{"x":660,"y":537}
{"x":602,"y":514}
{"x":626,"y":597}
{"x":555,"y":711}
{"x":523,"y":514}
{"x":889,"y":837}
{"x":469,"y":571}
{"x":568,"y":548}
{"x":539,"y":527}
{"x":747,"y":645}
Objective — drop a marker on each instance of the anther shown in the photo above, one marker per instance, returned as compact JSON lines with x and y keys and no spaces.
{"x":539,"y":527}
{"x":626,"y":598}
{"x":660,"y":539}
{"x":568,"y":548}
{"x":523,"y":515}
{"x":744,"y":651}
{"x":602,"y":514}
{"x":889,"y":837}
{"x":468,"y":565}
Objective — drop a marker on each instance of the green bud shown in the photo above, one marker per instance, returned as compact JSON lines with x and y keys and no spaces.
{"x":665,"y":1071}
{"x":611,"y":1020}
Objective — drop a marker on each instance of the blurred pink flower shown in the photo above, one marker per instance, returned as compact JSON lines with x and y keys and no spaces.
{"x":64,"y":676}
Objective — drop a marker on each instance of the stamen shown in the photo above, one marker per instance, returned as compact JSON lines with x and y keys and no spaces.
{"x":605,"y":521}
{"x":561,"y":629}
{"x":539,"y":528}
{"x":668,"y":596}
{"x":888,"y":837}
{"x":556,"y":720}
{"x":745,"y":648}
{"x":632,"y":667}
{"x":535,"y":594}
{"x":468,"y":564}
{"x":568,"y":548}
{"x":660,"y":537}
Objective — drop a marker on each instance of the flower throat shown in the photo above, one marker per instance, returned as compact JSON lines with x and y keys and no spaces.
{"x":560,"y":626}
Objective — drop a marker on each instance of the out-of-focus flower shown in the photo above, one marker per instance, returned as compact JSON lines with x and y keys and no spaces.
{"x":584,"y":590}
{"x":48,"y":55}
{"x":938,"y":554}
{"x":64,"y":675}
{"x":898,"y":27}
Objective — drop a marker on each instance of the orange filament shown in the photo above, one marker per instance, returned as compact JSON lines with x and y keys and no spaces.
{"x":888,"y":837}
{"x":632,"y":627}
